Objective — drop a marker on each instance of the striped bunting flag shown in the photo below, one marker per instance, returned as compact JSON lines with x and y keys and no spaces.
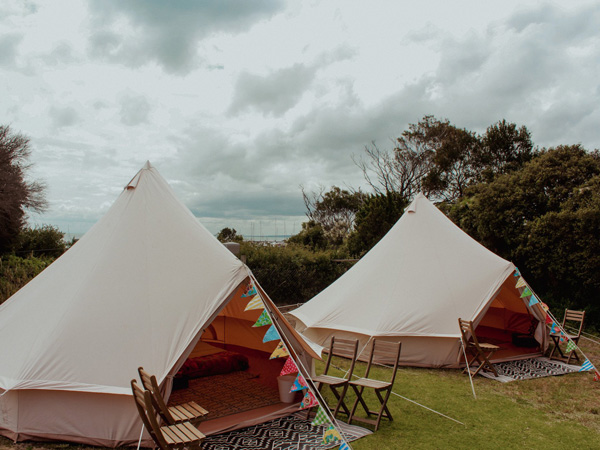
{"x":271,"y":334}
{"x":263,"y":320}
{"x":255,"y":303}
{"x":520,"y":283}
{"x":587,"y":365}
{"x":344,"y":446}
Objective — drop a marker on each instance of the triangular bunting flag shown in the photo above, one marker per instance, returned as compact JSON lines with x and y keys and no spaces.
{"x":526,"y":292}
{"x":280,"y":351}
{"x":255,"y":303}
{"x":587,"y":365}
{"x":517,"y":273}
{"x":289,"y":367}
{"x":250,"y":291}
{"x":320,"y":418}
{"x":299,"y":384}
{"x":331,"y":435}
{"x":571,"y":346}
{"x":271,"y":334}
{"x":544,"y":306}
{"x":520,"y":283}
{"x":552,"y":327}
{"x":533,"y":300}
{"x":549,"y":319}
{"x":263,"y":320}
{"x":597,"y":376}
{"x":308,"y":401}
{"x":344,"y":446}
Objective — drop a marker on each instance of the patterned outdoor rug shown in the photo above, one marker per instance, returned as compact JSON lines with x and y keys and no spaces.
{"x":525,"y":369}
{"x":222,"y":395}
{"x":288,"y":433}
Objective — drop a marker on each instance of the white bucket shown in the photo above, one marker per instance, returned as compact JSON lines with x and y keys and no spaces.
{"x":285,"y":383}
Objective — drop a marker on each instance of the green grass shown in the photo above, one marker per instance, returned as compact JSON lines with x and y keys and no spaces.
{"x":548,"y":413}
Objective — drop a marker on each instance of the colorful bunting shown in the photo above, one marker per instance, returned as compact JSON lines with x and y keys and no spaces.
{"x":271,"y":334}
{"x":263,"y":320}
{"x":587,"y":365}
{"x":549,"y":319}
{"x":517,"y":273}
{"x":533,"y":300}
{"x":597,"y":376}
{"x":255,"y":303}
{"x":544,"y":306}
{"x":331,"y":435}
{"x":320,"y":418}
{"x":299,"y":384}
{"x":289,"y":367}
{"x":571,"y":346}
{"x":344,"y":446}
{"x":520,"y":283}
{"x":280,"y":351}
{"x":526,"y":292}
{"x":552,"y":327}
{"x":250,"y":291}
{"x":308,"y":401}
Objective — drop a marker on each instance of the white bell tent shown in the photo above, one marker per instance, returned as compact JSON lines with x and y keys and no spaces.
{"x":422,"y":276}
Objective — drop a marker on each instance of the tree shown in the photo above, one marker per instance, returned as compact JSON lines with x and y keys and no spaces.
{"x":442,"y":160}
{"x":377,"y":215}
{"x":40,"y":241}
{"x":229,"y":235}
{"x":545,"y":217}
{"x":333,"y":211}
{"x":16,"y":193}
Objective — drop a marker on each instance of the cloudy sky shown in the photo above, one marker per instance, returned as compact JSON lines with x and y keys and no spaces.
{"x":238,"y":103}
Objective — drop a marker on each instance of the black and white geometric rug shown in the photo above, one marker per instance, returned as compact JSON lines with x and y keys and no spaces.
{"x":293,"y":432}
{"x":525,"y":369}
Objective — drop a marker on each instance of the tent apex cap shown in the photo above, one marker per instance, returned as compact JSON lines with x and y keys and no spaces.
{"x":147,"y":165}
{"x":412,"y":208}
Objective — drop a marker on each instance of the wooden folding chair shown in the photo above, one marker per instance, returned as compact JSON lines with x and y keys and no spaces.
{"x":382,"y":352}
{"x":186,"y":412}
{"x":570,"y":316}
{"x":168,"y":437}
{"x":346,"y":348}
{"x":480,"y":352}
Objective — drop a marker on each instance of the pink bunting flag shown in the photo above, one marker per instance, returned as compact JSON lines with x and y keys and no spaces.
{"x":289,"y":367}
{"x":597,"y":376}
{"x":299,"y":384}
{"x":308,"y":401}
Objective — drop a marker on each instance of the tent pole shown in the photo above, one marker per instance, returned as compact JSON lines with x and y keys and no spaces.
{"x":462,"y":344}
{"x":140,"y":439}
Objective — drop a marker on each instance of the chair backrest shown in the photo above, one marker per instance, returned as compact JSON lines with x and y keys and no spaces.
{"x":385,"y":353}
{"x":574,"y":316}
{"x":346,"y":348}
{"x":143,"y":402}
{"x":150,"y":384}
{"x":468,"y":335}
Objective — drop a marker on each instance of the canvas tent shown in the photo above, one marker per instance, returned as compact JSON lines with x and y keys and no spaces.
{"x":139,"y":289}
{"x":422,"y":276}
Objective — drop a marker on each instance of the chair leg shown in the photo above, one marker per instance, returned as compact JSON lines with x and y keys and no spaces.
{"x":341,"y":403}
{"x":573,"y":353}
{"x":383,"y":411}
{"x":358,"y":400}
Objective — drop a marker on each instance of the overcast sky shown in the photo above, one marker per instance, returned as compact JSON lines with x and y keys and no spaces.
{"x":238,"y":103}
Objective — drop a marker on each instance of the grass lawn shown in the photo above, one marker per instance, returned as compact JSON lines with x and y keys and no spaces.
{"x":548,"y":413}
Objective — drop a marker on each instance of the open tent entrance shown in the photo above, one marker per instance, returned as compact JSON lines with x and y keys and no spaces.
{"x":511,"y":325}
{"x":229,"y":371}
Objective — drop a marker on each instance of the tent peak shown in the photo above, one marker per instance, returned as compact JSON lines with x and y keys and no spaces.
{"x":135,"y":180}
{"x":412,"y":208}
